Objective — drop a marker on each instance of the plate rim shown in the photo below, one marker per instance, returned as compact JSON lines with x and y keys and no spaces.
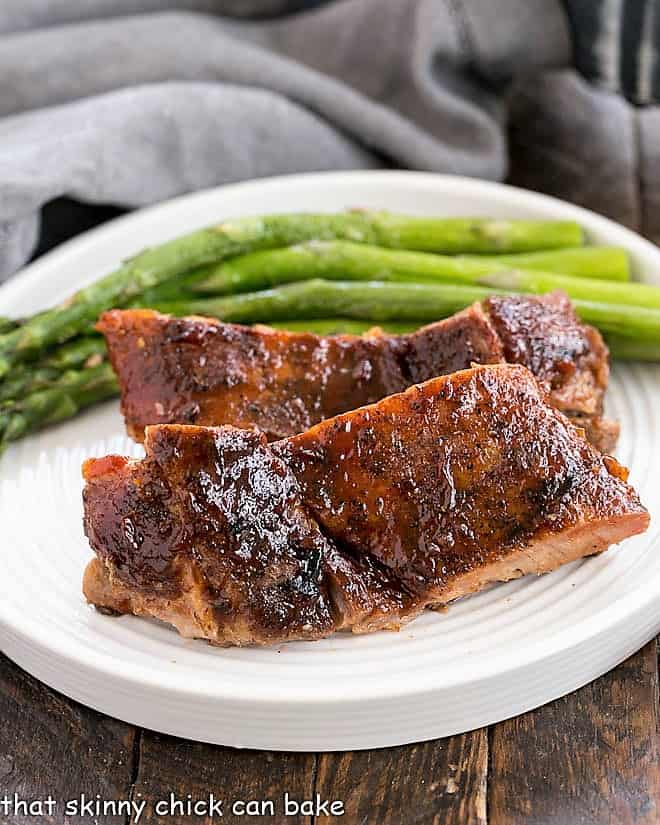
{"x":168,"y":679}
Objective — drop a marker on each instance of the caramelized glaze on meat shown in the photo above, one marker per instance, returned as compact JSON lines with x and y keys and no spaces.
{"x":360,"y":522}
{"x":209,"y":533}
{"x":200,"y":371}
{"x":544,"y":335}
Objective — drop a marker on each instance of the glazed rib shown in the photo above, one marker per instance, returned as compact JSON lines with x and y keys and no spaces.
{"x":544,"y":334}
{"x":358,"y":523}
{"x":201,"y":371}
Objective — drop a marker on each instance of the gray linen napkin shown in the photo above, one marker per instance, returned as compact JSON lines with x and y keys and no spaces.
{"x":127,"y":102}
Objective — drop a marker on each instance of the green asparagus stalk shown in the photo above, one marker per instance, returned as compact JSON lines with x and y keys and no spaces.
{"x":608,"y":292}
{"x":605,"y":263}
{"x":628,"y":322}
{"x":74,"y":391}
{"x":234,"y":237}
{"x":317,"y":298}
{"x":23,"y":382}
{"x":7,"y":324}
{"x":84,"y":352}
{"x":346,"y":261}
{"x":344,"y":326}
{"x":626,"y":349}
{"x":178,"y":288}
{"x":382,"y":301}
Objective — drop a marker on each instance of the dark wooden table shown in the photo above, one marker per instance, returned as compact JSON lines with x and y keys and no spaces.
{"x":591,"y":758}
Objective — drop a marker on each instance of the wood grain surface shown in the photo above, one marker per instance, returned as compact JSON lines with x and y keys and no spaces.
{"x":442,"y":782}
{"x":590,"y":758}
{"x":168,"y":765}
{"x":52,"y":745}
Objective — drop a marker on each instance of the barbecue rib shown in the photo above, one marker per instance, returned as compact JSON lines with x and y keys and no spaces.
{"x":201,"y":371}
{"x":360,"y":522}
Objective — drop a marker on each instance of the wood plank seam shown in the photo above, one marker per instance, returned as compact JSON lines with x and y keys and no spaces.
{"x":657,"y":688}
{"x":315,"y":776}
{"x":489,"y":771}
{"x":135,"y":767}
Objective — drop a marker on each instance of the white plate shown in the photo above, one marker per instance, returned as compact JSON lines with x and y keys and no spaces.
{"x":489,"y":657}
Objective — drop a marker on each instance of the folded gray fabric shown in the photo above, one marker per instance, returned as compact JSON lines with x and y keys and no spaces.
{"x":128,"y":102}
{"x":130,"y":108}
{"x":138,"y":146}
{"x":18,"y":15}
